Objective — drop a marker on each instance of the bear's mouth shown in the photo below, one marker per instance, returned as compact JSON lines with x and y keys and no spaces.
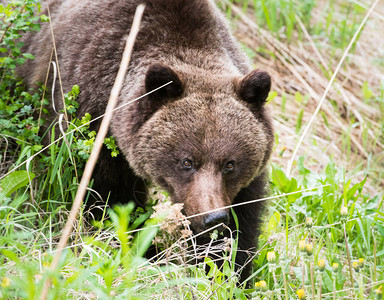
{"x":213,"y":232}
{"x":204,"y":224}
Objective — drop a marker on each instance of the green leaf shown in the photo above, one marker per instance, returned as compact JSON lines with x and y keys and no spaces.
{"x":20,"y":60}
{"x":327,"y":280}
{"x":299,"y":121}
{"x":350,"y":194}
{"x":44,"y":18}
{"x":274,"y":222}
{"x":11,"y":255}
{"x":76,"y":89}
{"x":272,"y":95}
{"x":213,"y":269}
{"x":366,"y":91}
{"x":28,"y":56}
{"x":143,"y":239}
{"x":380,"y":229}
{"x":279,"y":178}
{"x":15,"y":181}
{"x":299,"y":97}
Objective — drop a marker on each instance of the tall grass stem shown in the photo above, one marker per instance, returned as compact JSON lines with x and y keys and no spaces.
{"x":348,"y":254}
{"x":98,"y":143}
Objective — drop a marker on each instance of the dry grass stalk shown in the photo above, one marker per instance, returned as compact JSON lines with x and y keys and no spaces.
{"x":299,"y":67}
{"x":98,"y":143}
{"x":328,"y":87}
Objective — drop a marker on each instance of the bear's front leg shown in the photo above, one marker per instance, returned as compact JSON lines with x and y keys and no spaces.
{"x":115,"y":183}
{"x":249,"y":218}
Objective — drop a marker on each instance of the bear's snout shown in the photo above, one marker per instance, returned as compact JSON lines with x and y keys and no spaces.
{"x":215,"y":218}
{"x":205,"y":200}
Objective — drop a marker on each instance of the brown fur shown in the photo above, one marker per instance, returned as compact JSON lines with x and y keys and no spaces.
{"x":213,"y":112}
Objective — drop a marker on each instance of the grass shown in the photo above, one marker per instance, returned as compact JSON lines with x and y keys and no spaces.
{"x":323,"y":235}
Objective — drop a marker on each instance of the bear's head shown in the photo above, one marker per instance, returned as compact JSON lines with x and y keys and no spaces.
{"x":205,"y":137}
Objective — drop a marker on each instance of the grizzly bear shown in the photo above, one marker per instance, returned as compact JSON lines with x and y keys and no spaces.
{"x":205,"y":138}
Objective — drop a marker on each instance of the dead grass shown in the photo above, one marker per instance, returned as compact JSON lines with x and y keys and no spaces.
{"x":305,"y":66}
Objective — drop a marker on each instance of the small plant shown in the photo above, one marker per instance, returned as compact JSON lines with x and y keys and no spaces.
{"x":18,"y":130}
{"x":317,"y":235}
{"x":279,"y":16}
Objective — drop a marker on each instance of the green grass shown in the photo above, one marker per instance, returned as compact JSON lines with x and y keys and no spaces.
{"x":337,"y":22}
{"x":323,"y":226}
{"x":108,"y":263}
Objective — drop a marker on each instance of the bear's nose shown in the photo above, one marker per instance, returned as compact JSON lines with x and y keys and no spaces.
{"x":215,"y":218}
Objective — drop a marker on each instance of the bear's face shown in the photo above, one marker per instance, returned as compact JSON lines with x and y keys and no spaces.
{"x":203,"y":148}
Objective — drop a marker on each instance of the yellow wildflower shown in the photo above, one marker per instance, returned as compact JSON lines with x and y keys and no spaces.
{"x":309,"y":249}
{"x":355,"y":266}
{"x":302,"y":245}
{"x":263,"y":285}
{"x":335,"y":267}
{"x":6,"y":282}
{"x":301,"y":294}
{"x":361,"y":262}
{"x":321,"y":264}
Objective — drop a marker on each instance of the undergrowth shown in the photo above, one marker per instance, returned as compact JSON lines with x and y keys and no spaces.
{"x":335,"y":22}
{"x":323,"y":235}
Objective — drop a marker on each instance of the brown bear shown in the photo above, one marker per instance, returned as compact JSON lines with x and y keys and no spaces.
{"x":206,"y":138}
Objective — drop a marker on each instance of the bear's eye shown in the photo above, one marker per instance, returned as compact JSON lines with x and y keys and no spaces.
{"x":230,"y":166}
{"x":186,"y":164}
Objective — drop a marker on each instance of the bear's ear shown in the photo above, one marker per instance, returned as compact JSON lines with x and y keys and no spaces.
{"x":158,"y":75}
{"x":254,"y":88}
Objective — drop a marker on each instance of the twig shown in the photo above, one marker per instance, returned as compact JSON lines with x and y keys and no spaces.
{"x":98,"y":144}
